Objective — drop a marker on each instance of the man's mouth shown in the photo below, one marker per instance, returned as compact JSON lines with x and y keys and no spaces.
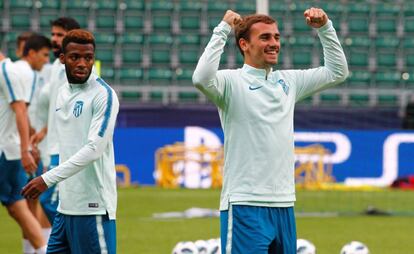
{"x":80,"y":73}
{"x":271,"y":51}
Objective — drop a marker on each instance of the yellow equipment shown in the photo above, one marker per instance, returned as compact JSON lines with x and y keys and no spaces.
{"x":170,"y":157}
{"x":124,"y":170}
{"x":311,"y":169}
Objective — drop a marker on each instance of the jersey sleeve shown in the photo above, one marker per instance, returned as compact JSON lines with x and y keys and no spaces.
{"x":43,"y":100}
{"x":28,"y":80}
{"x":13,"y":86}
{"x":105,"y":110}
{"x":206,"y":77}
{"x":334,"y":70}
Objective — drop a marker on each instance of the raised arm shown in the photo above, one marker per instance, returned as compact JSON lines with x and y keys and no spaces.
{"x":335,"y":68}
{"x":206,"y":77}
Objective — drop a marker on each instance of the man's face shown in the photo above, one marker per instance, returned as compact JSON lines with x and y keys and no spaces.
{"x":57,"y":37}
{"x":262,"y":50}
{"x":78,"y":60}
{"x":39,"y":58}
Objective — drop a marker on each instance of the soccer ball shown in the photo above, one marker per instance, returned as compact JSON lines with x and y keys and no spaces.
{"x":202,"y":246}
{"x":214,"y":246}
{"x":354,"y":247}
{"x":185,"y":248}
{"x":305,"y":247}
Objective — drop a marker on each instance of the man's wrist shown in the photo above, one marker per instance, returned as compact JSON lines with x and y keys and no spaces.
{"x":325,"y":27}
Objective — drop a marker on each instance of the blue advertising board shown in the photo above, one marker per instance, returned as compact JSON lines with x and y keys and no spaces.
{"x":358,"y":157}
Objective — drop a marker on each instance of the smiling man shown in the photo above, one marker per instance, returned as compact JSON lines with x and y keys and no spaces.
{"x":86,"y":110}
{"x":256,"y":105}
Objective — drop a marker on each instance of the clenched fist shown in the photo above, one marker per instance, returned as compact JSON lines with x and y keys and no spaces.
{"x":232,"y":18}
{"x":315,"y":17}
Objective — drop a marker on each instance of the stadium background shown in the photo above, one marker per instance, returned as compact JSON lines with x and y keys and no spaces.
{"x":148,"y":51}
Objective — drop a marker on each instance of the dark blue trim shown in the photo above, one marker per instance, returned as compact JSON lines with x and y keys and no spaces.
{"x":33,"y":86}
{"x":9,"y":86}
{"x":108,"y":108}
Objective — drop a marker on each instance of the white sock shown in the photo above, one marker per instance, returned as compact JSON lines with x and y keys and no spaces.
{"x":46,"y":233}
{"x":41,"y":250}
{"x":27,"y":247}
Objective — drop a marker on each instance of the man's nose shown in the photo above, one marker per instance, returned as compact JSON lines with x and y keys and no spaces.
{"x":273,"y":41}
{"x":81,"y":62}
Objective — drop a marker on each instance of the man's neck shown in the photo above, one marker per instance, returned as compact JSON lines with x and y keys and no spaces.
{"x":266,"y":68}
{"x":26,"y":59}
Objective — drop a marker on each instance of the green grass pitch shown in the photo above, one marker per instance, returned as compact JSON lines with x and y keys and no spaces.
{"x":138,"y":232}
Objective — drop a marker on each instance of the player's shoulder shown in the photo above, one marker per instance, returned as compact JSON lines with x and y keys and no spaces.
{"x":288,"y":74}
{"x":229,"y":73}
{"x":23,"y":68}
{"x":102,"y":88}
{"x":99,"y":84}
{"x":4,"y":64}
{"x":8,"y":69}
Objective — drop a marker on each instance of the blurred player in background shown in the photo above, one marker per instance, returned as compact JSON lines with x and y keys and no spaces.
{"x":86,"y":110}
{"x":15,"y":152}
{"x":256,"y":106}
{"x":46,"y":109}
{"x":21,"y":41}
{"x":34,"y":55}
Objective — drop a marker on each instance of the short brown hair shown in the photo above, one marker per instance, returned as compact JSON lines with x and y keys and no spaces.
{"x":242,"y":29}
{"x":78,"y":36}
{"x":23,"y":37}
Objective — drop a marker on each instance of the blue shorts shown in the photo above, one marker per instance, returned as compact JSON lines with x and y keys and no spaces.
{"x":38,"y":172}
{"x":50,"y":198}
{"x":12,"y":180}
{"x":82,"y":234}
{"x":258,"y":230}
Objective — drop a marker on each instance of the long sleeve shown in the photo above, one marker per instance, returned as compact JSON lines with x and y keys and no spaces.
{"x":42,"y":109}
{"x":105,"y":110}
{"x":334,"y":71}
{"x":206,"y":77}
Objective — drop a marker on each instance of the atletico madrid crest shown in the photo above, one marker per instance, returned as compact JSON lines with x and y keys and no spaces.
{"x":77,"y":110}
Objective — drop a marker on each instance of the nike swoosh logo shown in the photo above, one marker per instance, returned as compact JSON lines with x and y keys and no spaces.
{"x":255,"y":87}
{"x":58,"y":109}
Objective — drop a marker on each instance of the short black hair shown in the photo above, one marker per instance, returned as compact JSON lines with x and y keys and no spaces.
{"x":66,"y":23}
{"x":36,"y":42}
{"x":78,"y":36}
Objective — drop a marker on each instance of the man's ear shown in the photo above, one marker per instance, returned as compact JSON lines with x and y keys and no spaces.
{"x":62,"y":58}
{"x":243,"y":44}
{"x":31,"y":53}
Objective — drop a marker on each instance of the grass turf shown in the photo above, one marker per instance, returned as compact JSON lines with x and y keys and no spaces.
{"x":138,"y":232}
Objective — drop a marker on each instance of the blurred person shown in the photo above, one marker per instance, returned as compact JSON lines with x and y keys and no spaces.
{"x":46,"y":109}
{"x":21,"y":41}
{"x":256,"y":105}
{"x":86,"y":111}
{"x":15,"y":154}
{"x":34,"y":55}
